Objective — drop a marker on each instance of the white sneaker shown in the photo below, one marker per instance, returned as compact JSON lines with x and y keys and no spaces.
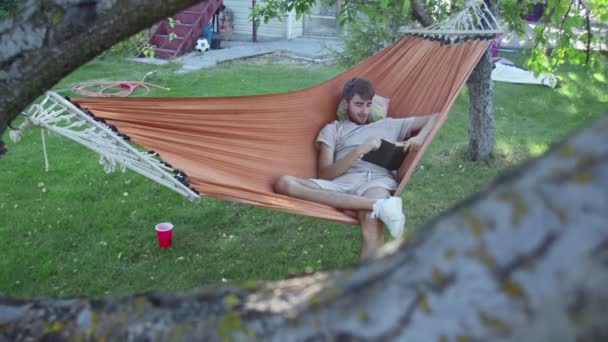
{"x":389,"y":210}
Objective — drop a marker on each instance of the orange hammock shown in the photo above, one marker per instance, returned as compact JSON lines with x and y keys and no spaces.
{"x":236,"y":147}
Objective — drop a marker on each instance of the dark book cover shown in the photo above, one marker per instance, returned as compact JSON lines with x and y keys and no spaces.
{"x":388,"y":155}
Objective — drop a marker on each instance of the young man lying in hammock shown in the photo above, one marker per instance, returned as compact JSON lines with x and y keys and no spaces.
{"x":347,"y":182}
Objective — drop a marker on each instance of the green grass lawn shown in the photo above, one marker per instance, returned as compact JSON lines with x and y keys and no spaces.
{"x":78,"y":231}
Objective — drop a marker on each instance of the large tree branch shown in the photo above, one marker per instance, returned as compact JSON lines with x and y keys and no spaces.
{"x":44,"y":40}
{"x":524,"y":259}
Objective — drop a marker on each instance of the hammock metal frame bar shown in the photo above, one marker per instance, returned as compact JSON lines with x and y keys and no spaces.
{"x":61,"y":116}
{"x":427,"y":33}
{"x":473,"y":20}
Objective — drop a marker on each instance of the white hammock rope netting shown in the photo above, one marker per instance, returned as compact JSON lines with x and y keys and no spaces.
{"x":474,"y":19}
{"x":58,"y":115}
{"x":63,"y":117}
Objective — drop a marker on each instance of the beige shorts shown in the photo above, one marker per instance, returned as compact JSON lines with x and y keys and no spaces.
{"x":357,"y":183}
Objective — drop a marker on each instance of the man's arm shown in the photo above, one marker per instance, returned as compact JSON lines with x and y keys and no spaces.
{"x":328,"y":169}
{"x":424,"y":124}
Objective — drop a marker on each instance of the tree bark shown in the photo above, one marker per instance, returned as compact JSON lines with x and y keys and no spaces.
{"x":526,"y":259}
{"x":481,"y":109}
{"x":419,"y":14}
{"x":44,"y":40}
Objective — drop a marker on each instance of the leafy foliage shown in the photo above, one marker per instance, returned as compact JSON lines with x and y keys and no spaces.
{"x":361,"y":41}
{"x":148,"y":50}
{"x":269,"y":9}
{"x":138,"y":43}
{"x":440,"y":10}
{"x":567,"y":32}
{"x":7,"y":6}
{"x":172,"y":21}
{"x":369,"y":27}
{"x":570,"y":31}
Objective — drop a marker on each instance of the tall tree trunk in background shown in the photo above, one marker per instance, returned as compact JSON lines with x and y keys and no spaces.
{"x":526,"y":259}
{"x":481,"y":109}
{"x":419,"y":14}
{"x":481,"y":106}
{"x":44,"y":40}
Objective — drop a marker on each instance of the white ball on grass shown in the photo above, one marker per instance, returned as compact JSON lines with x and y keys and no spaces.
{"x":202,"y":45}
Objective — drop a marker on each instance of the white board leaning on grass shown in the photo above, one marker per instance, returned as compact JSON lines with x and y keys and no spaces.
{"x":505,"y":71}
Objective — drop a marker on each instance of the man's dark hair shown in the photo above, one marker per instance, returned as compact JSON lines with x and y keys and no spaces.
{"x":358,"y":86}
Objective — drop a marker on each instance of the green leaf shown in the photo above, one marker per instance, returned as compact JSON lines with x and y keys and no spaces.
{"x":405,"y":7}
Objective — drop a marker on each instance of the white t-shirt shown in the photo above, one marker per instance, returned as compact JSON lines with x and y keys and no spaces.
{"x":344,"y":136}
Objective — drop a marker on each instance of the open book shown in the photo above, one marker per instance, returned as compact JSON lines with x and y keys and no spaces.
{"x":388,"y":155}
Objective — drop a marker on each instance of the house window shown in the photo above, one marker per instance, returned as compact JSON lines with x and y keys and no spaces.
{"x":322,"y":20}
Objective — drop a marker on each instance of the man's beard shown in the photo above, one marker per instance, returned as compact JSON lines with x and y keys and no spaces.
{"x":350,"y":118}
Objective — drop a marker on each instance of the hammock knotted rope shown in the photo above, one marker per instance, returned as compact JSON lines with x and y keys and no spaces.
{"x":236,"y":147}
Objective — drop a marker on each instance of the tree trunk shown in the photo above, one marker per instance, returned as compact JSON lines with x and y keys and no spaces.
{"x":419,"y":14}
{"x":481,"y":109}
{"x":47,"y":39}
{"x":524,"y":260}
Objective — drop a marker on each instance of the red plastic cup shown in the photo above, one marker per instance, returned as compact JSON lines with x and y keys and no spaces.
{"x":163,"y":234}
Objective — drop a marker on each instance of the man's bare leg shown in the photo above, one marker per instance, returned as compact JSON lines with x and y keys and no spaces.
{"x":309,"y":190}
{"x":372,"y":230}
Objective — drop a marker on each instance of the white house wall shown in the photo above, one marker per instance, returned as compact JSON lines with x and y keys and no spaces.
{"x":289,"y":27}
